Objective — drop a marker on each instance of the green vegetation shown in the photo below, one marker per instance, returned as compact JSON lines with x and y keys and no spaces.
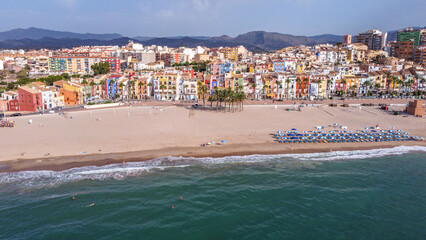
{"x":198,"y":67}
{"x":101,"y":68}
{"x":234,"y":99}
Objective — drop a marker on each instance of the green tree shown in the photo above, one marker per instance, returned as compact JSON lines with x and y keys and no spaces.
{"x":101,"y":68}
{"x":65,"y":76}
{"x":10,"y":86}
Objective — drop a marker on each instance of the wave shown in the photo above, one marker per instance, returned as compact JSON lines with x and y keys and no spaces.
{"x":118,"y":171}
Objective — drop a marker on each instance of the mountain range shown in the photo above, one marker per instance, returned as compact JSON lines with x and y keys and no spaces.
{"x":36,"y":38}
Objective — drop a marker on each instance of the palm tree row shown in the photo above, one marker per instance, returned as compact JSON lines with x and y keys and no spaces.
{"x":234,"y":99}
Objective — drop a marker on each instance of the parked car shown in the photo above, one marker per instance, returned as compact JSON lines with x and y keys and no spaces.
{"x":16,"y":115}
{"x":58,"y":108}
{"x":1,"y":115}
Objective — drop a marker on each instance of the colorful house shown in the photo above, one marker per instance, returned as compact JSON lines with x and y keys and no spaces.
{"x":30,"y":99}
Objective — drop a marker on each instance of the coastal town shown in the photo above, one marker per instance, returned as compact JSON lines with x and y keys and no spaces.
{"x":361,"y":66}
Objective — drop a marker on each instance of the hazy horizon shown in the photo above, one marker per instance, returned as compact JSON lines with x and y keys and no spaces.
{"x":167,"y":18}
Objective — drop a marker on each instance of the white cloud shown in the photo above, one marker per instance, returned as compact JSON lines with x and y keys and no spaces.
{"x":67,"y":3}
{"x":201,"y":4}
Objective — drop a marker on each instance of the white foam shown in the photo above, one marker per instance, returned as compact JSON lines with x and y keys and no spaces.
{"x":117,"y":171}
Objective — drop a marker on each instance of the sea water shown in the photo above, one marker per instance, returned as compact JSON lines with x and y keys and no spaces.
{"x":371,"y":194}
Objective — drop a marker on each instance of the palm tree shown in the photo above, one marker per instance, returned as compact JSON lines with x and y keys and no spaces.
{"x":184,"y":90}
{"x":328,"y":87}
{"x":162,"y":87}
{"x":140,"y":84}
{"x":92,"y":84}
{"x":264,"y":87}
{"x":318,"y":86}
{"x":278,"y":82}
{"x":394,"y":81}
{"x":121,"y":88}
{"x":388,"y":76}
{"x":354,"y":87}
{"x":299,"y":82}
{"x":151,"y":88}
{"x":366,"y":85}
{"x":131,"y":89}
{"x":254,"y":90}
{"x":287,"y":81}
{"x":174,"y":92}
{"x":202,"y":91}
{"x":306,"y":83}
{"x":401,"y":83}
{"x":344,"y":86}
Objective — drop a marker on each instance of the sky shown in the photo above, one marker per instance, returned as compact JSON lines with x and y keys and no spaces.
{"x":162,"y":18}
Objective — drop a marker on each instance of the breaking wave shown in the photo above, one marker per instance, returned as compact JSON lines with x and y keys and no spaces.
{"x":118,"y":171}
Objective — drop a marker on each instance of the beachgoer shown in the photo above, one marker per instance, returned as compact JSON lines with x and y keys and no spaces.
{"x":124,"y":163}
{"x":181,"y":198}
{"x":173,"y":206}
{"x":73,"y":198}
{"x":291,"y":147}
{"x":91,"y":205}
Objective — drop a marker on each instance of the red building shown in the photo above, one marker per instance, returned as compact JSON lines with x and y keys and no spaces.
{"x":302,"y":86}
{"x":115,"y":63}
{"x":13,"y":105}
{"x":190,"y":71}
{"x":29,"y":99}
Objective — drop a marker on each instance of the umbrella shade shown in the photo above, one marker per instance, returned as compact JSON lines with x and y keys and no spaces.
{"x":293,"y":129}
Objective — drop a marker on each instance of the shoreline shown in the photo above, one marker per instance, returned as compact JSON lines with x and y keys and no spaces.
{"x":60,"y":163}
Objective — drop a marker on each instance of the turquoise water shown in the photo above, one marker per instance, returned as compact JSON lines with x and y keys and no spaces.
{"x":375,"y":194}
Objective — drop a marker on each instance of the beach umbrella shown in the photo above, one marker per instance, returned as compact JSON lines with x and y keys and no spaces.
{"x":294,"y":138}
{"x":293,"y":129}
{"x":223,"y":141}
{"x":373,"y":130}
{"x":300,"y":135}
{"x":291,"y":135}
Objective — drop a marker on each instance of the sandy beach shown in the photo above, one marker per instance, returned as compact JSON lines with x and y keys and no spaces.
{"x":97,"y":137}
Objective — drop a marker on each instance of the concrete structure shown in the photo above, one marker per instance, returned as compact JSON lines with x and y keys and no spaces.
{"x":373,"y":39}
{"x":347,"y":39}
{"x":416,"y":108}
{"x":410,"y":34}
{"x":201,"y":57}
{"x":420,"y":55}
{"x":404,"y":50}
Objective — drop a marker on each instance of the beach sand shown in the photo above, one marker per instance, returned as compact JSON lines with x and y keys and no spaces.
{"x":98,"y":137}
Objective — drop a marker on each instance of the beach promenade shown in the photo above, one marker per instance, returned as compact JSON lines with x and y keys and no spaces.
{"x":95,"y":137}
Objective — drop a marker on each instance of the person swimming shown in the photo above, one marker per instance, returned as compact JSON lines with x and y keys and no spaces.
{"x":91,"y":205}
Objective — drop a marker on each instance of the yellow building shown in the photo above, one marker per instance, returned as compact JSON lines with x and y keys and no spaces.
{"x":76,"y":88}
{"x":165,"y":85}
{"x":352,"y":83}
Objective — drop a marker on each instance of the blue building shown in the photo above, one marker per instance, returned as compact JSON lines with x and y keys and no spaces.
{"x":279,"y":66}
{"x":226,"y":67}
{"x":111,"y":87}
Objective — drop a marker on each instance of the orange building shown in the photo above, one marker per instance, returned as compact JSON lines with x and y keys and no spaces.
{"x":70,"y":97}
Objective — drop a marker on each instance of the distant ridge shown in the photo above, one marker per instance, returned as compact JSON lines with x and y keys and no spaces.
{"x":36,"y":38}
{"x":38,"y":33}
